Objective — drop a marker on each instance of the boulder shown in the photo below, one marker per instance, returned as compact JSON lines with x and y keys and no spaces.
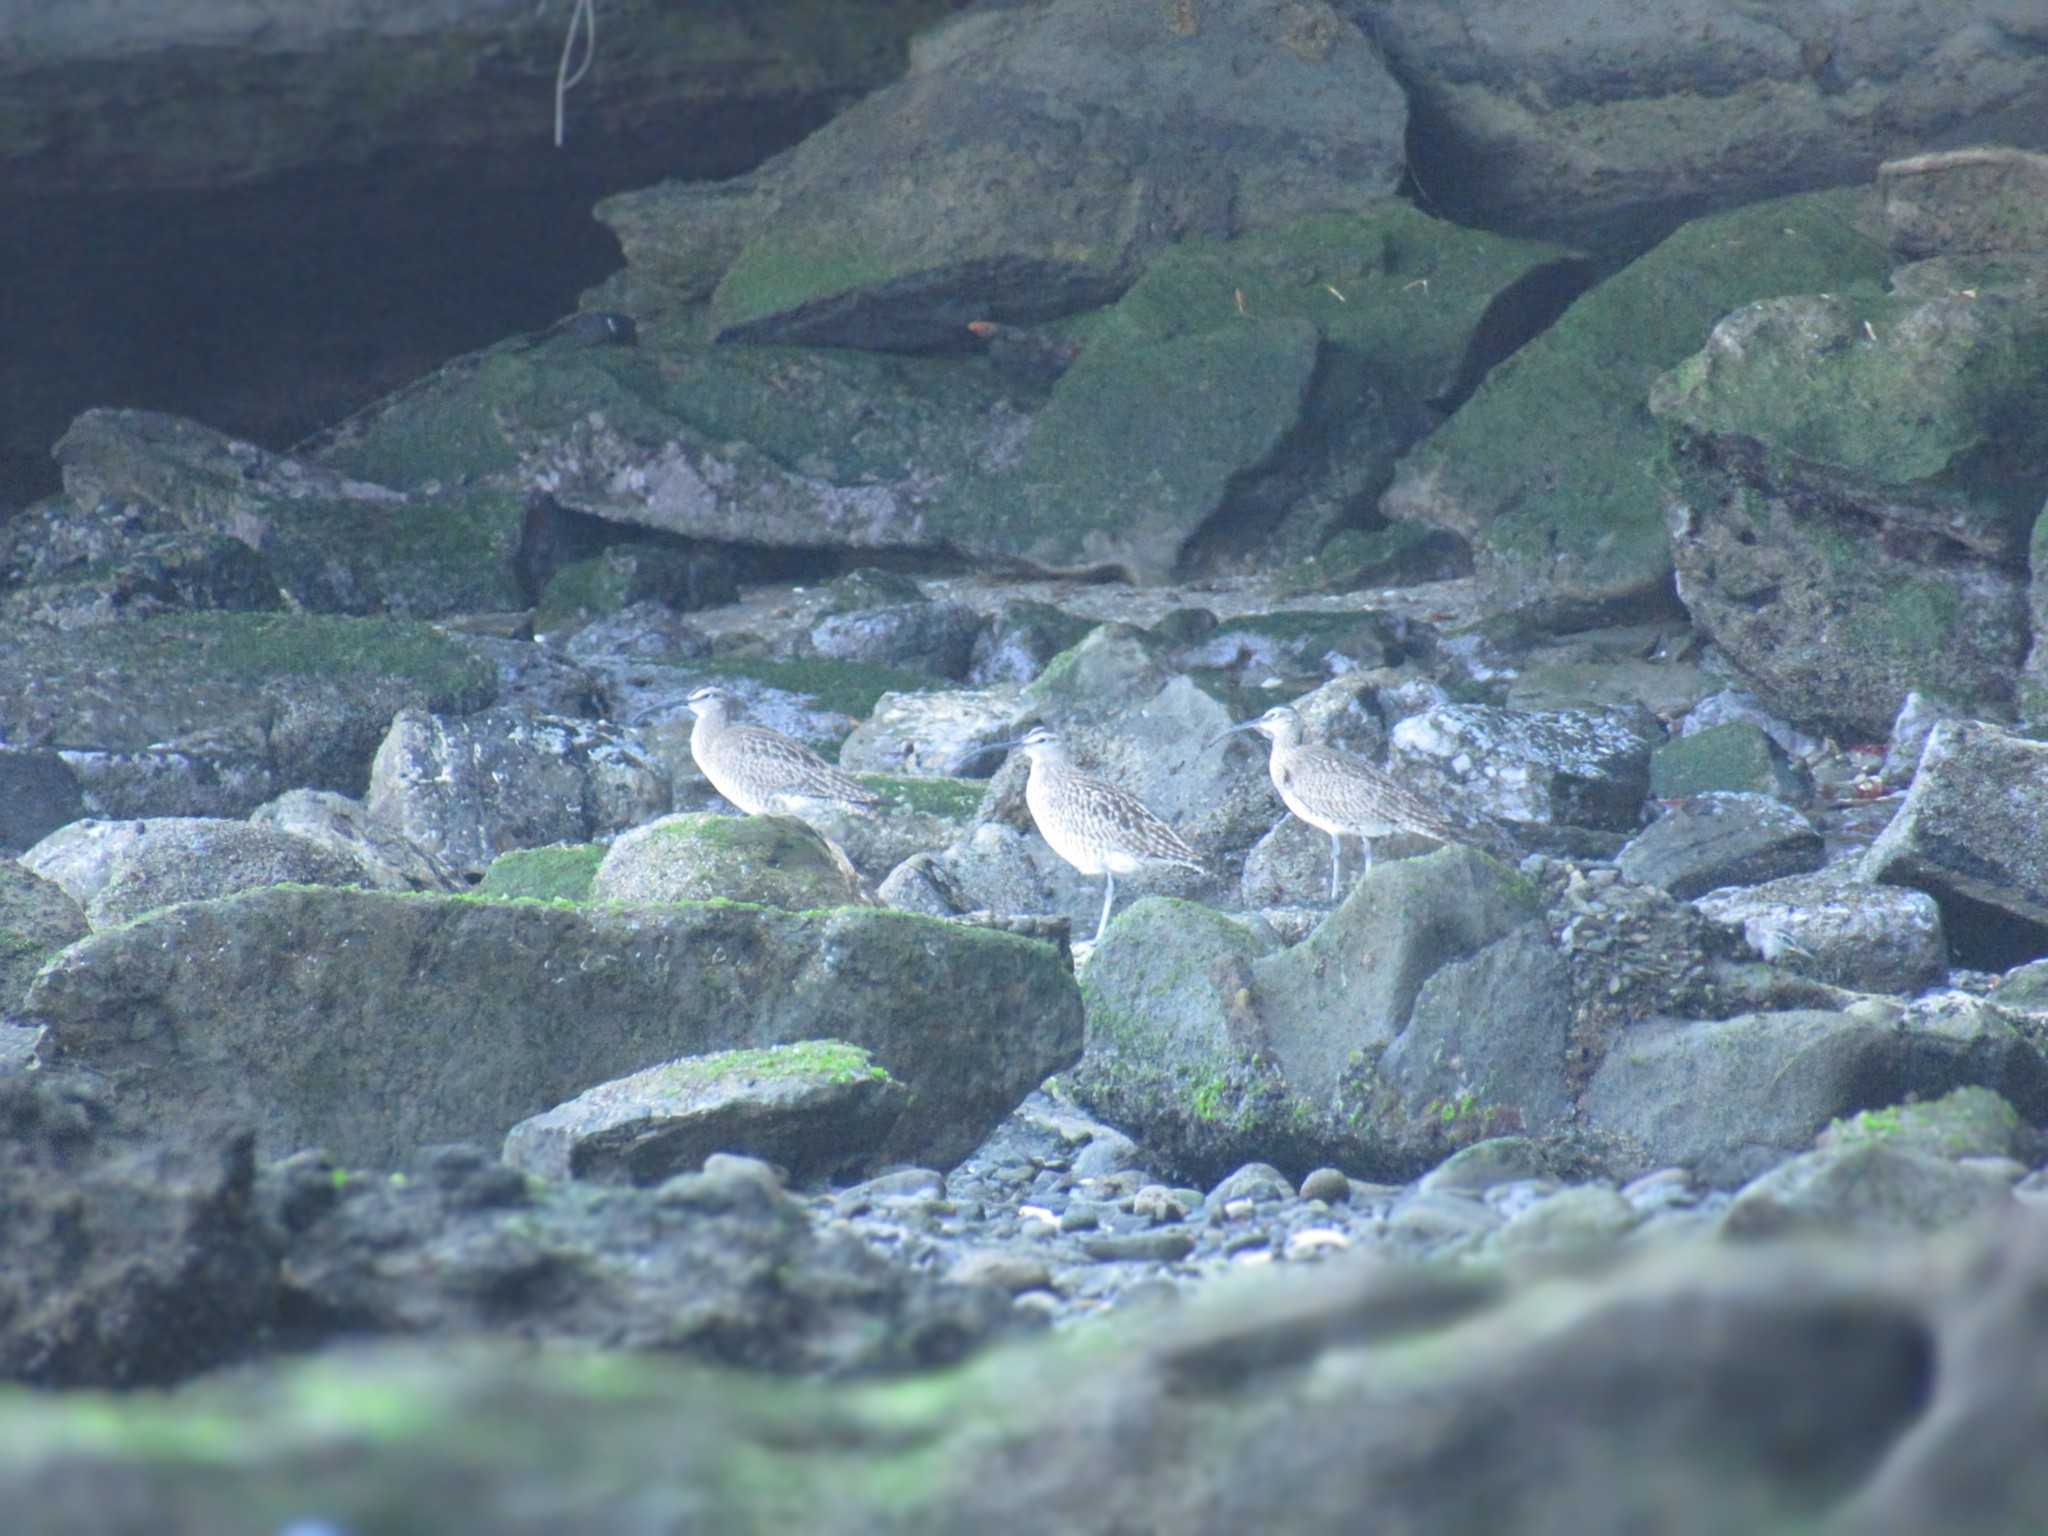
{"x":1708,"y":841}
{"x":775,"y":861}
{"x":817,"y":1110}
{"x":176,"y":858}
{"x":489,"y":1012}
{"x":1839,"y":929}
{"x":37,"y":918}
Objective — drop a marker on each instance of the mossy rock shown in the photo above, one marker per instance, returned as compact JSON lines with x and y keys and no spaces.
{"x":775,"y":861}
{"x":1734,"y":758}
{"x":561,"y":872}
{"x":1549,"y":469}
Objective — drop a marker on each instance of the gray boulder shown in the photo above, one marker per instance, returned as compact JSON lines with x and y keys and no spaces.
{"x":1719,"y":839}
{"x":490,"y":1012}
{"x":1839,"y":929}
{"x":817,"y":1110}
{"x":1578,"y":767}
{"x":390,"y":861}
{"x":468,"y":789}
{"x":177,"y":858}
{"x":1867,"y":1186}
{"x":1970,"y":831}
{"x":37,"y":796}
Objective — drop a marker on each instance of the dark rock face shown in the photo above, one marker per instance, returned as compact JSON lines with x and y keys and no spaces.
{"x":718,"y":1264}
{"x":1611,"y":120}
{"x":137,"y":1270}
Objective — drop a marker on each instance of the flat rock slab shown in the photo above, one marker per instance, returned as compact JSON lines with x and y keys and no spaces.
{"x":370,"y":1023}
{"x":211,"y":714}
{"x":1714,"y":840}
{"x":817,"y":1109}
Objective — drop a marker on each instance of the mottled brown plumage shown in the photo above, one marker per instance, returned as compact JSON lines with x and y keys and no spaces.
{"x":1341,"y":795}
{"x":1096,"y":826}
{"x":764,"y":772}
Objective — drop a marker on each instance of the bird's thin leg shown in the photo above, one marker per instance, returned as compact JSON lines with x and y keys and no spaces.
{"x":1336,"y":863}
{"x":1108,"y":896}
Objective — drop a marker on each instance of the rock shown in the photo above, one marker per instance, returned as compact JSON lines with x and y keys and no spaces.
{"x":1326,"y":1184}
{"x":559,"y":872}
{"x":934,"y":733}
{"x":1709,"y":841}
{"x":1556,"y":509}
{"x":1256,"y":1182}
{"x":330,"y":543}
{"x":1290,"y":107}
{"x":173,"y":858}
{"x":1173,"y":1052}
{"x":469,"y":789}
{"x":127,"y":1272}
{"x":1700,"y":107}
{"x":1485,"y":1165}
{"x":1010,"y":1273}
{"x":721,"y":1265}
{"x":37,"y":918}
{"x":816,"y":1109}
{"x":1900,"y":1377}
{"x":1918,"y":715}
{"x":1588,"y":768}
{"x":489,"y":1012}
{"x":669,"y":575}
{"x":1738,"y":757}
{"x":1838,"y":929}
{"x":1970,"y":1122}
{"x":1731,"y":1098}
{"x":1441,"y":1224}
{"x":389,"y":860}
{"x":921,"y":636}
{"x":1865,"y":1186}
{"x":37,"y":796}
{"x":1969,"y":833}
{"x":1313,"y":646}
{"x":1965,"y":201}
{"x":1489,"y":1035}
{"x":1587,"y":1217}
{"x":211,"y":714}
{"x":1023,"y":638}
{"x":1902,"y":523}
{"x":777,"y":861}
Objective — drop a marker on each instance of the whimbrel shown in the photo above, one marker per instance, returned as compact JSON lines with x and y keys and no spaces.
{"x":1337,"y":793}
{"x":761,"y":771}
{"x":1096,"y":826}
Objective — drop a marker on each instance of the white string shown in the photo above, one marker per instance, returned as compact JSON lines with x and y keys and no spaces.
{"x":585,"y":12}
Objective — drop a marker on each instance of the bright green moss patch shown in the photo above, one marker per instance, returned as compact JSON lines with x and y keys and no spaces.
{"x":561,"y":872}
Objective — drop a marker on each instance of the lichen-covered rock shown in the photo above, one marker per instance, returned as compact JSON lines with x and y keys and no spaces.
{"x":1971,"y":831}
{"x":1707,"y":841}
{"x":1888,"y":536}
{"x":1578,"y":767}
{"x":816,"y":1110}
{"x":448,"y":1016}
{"x":468,"y":789}
{"x":1735,"y":757}
{"x":389,"y":859}
{"x":1839,"y":929}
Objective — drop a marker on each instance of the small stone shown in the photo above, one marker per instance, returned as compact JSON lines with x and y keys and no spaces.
{"x":1157,"y":1203}
{"x":1254,"y":1181}
{"x":1326,"y":1184}
{"x":1315,"y":1242}
{"x":1240,"y":1242}
{"x":1479,"y":1167}
{"x":1015,"y":1273}
{"x":1237,"y":1210}
{"x":1159,"y":1247}
{"x":1079,"y":1218}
